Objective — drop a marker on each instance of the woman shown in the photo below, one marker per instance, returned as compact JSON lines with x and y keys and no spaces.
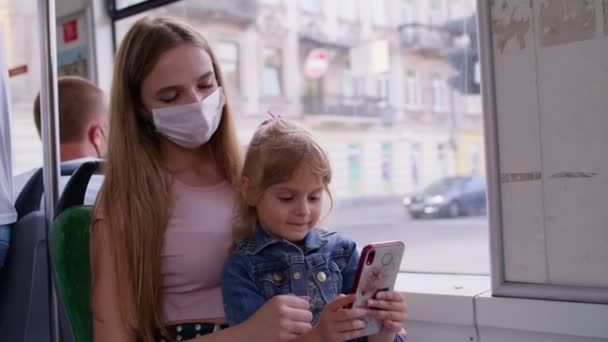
{"x":162,"y":225}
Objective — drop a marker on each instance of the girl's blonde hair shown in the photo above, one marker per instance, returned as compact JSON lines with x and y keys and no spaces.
{"x":275,"y":152}
{"x":135,"y":201}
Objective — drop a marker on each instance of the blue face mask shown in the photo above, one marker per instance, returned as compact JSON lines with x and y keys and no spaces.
{"x":191,"y":125}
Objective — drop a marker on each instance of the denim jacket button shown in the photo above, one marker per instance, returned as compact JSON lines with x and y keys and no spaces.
{"x":277,"y":276}
{"x":322,"y":277}
{"x":297,"y":275}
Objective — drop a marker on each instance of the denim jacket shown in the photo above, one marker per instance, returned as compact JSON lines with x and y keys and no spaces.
{"x":263,"y":267}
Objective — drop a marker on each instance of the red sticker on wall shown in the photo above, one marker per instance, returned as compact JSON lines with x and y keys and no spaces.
{"x":22,"y":69}
{"x":70,"y":31}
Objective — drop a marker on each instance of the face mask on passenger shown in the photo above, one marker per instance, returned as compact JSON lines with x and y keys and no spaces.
{"x":191,"y":125}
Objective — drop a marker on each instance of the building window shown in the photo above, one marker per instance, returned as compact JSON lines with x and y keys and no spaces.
{"x":386,"y":166}
{"x":408,"y":11}
{"x":312,"y":6}
{"x":412,"y":96}
{"x":349,"y":85}
{"x":379,"y":12}
{"x":384,"y":86}
{"x":272,"y":85}
{"x":351,"y":88}
{"x":348,"y":9}
{"x":354,"y":168}
{"x":474,"y":159}
{"x":408,"y":17}
{"x":439,"y":94}
{"x":436,"y":11}
{"x":473,"y":103}
{"x":442,"y":162}
{"x":415,"y":159}
{"x":228,"y":55}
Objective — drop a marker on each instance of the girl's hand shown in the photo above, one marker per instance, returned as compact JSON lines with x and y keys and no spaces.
{"x":338,"y":323}
{"x":389,"y":307}
{"x":283,"y":318}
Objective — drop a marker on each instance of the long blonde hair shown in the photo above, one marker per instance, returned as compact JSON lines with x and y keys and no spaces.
{"x":275,"y":152}
{"x":135,"y":200}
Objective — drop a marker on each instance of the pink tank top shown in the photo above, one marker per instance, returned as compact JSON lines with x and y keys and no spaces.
{"x":196,"y":246}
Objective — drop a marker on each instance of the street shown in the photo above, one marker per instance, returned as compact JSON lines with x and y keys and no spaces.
{"x":431,"y":245}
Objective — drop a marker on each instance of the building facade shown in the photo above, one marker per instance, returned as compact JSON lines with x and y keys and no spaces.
{"x":369,"y":78}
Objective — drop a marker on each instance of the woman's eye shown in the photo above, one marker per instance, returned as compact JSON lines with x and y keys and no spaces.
{"x":168,"y":99}
{"x":314,"y":198}
{"x":285,"y":199}
{"x":205,"y":86}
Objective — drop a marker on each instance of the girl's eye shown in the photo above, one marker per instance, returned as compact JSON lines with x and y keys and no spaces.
{"x":314,"y":198}
{"x":205,"y":86}
{"x":285,"y":199}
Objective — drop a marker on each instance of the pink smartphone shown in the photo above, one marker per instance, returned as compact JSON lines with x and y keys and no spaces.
{"x":378,"y":268}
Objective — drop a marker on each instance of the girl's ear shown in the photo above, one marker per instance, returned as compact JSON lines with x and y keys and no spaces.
{"x":246,"y":191}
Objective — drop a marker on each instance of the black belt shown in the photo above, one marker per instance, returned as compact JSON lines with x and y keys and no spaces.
{"x":186,"y":331}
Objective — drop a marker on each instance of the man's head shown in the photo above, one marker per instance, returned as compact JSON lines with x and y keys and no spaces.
{"x":83,"y":117}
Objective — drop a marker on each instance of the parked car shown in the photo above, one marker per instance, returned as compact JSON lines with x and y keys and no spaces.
{"x":449,"y":197}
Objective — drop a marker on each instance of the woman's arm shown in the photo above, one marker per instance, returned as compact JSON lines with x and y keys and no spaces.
{"x":107,"y":322}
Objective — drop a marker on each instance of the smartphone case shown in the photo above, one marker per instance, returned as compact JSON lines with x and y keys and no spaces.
{"x":378,"y":275}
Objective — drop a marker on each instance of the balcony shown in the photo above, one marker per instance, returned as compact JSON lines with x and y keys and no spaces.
{"x":471,"y":121}
{"x":346,"y":108}
{"x":424,"y":39}
{"x":312,"y":35}
{"x":239,"y":12}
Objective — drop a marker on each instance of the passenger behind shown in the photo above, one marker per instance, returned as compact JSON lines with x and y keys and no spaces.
{"x":163,"y":221}
{"x":83,"y":118}
{"x":280,"y":250}
{"x":83,"y":125}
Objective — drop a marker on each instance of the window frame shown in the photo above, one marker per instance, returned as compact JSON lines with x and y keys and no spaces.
{"x":116,"y":13}
{"x":419,"y":76}
{"x":500,"y":285}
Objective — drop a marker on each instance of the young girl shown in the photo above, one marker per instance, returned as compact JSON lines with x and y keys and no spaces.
{"x":163,"y":221}
{"x":279,"y":250}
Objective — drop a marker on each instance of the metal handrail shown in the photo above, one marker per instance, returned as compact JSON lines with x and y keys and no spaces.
{"x":50,"y":139}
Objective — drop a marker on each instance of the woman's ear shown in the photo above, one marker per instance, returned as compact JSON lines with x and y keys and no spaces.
{"x":246,"y":191}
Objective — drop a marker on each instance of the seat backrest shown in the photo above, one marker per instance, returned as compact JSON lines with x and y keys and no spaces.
{"x":29,"y":198}
{"x":24,"y":279}
{"x":24,"y":283}
{"x":70,"y":252}
{"x":70,"y":255}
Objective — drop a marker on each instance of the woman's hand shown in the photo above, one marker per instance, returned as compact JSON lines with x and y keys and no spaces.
{"x":389,"y":307}
{"x":283,"y":318}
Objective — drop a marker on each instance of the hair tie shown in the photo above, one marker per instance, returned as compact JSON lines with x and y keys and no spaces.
{"x":273,"y":116}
